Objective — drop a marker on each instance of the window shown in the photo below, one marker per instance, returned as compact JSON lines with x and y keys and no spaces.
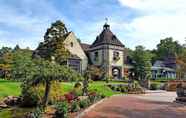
{"x":116,"y":56}
{"x":71,"y":44}
{"x":96,"y":56}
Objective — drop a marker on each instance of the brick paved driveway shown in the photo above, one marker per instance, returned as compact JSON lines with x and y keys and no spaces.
{"x":129,"y":106}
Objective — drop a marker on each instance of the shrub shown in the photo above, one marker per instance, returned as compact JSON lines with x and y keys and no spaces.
{"x":107,"y":79}
{"x":77,"y":85}
{"x":32,"y":96}
{"x":75,"y":106}
{"x":83,"y":104}
{"x":118,"y":88}
{"x":77,"y":91}
{"x":36,"y":114}
{"x":124,"y":89}
{"x":92,"y":97}
{"x":61,"y":110}
{"x":103,"y":96}
{"x":113,"y":87}
{"x":29,"y":97}
{"x":154,"y":86}
{"x":90,"y":81}
{"x":70,"y":97}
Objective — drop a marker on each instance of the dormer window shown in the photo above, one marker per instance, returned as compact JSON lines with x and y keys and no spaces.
{"x":116,"y":56}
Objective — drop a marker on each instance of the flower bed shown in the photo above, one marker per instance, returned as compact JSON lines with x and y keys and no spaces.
{"x":69,"y":105}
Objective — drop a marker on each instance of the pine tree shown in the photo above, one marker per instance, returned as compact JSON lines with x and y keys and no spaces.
{"x":53,"y":45}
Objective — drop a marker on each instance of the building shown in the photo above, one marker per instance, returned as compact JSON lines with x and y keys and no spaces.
{"x":108,"y":52}
{"x":161,"y":70}
{"x":78,"y":59}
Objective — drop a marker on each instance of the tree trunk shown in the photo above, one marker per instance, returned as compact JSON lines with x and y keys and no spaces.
{"x":46,"y":94}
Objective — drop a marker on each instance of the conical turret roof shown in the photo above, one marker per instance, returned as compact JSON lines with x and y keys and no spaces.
{"x":107,"y":37}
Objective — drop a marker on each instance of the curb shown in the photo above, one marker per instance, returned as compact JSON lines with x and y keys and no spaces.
{"x":90,"y":108}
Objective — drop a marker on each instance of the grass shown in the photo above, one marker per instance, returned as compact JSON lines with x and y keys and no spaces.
{"x":102,"y":88}
{"x":99,"y":86}
{"x":9,"y":88}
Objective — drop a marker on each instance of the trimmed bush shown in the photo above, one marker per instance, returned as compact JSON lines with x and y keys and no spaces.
{"x":154,"y":86}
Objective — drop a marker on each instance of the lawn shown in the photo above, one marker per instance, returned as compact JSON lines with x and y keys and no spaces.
{"x":10,"y":88}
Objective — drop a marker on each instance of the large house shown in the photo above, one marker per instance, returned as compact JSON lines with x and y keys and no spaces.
{"x":108,"y":53}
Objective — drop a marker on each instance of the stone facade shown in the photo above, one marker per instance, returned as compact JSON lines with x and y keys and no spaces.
{"x":108,"y":52}
{"x":72,"y":44}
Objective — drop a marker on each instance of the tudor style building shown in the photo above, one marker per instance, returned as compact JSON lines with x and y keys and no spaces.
{"x":107,"y":52}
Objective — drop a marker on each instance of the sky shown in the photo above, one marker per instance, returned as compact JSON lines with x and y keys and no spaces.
{"x":135,"y":22}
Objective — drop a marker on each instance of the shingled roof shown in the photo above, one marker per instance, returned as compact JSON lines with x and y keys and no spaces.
{"x":107,"y":37}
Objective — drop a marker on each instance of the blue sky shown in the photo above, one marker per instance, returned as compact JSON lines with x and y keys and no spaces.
{"x":135,"y":22}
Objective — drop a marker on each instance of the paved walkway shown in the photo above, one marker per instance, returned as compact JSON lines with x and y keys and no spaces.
{"x":151,"y":105}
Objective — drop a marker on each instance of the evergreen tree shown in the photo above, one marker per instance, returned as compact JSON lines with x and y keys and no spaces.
{"x":53,"y":45}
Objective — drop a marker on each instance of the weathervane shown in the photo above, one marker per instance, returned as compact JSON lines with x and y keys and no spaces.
{"x":106,"y":20}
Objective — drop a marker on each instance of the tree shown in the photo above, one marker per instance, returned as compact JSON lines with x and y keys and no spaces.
{"x":22,"y":66}
{"x":5,"y":50}
{"x":61,"y":54}
{"x":5,"y":62}
{"x":53,"y":45}
{"x":142,"y":64}
{"x":48,"y":72}
{"x":181,"y":65}
{"x":87,"y":77}
{"x":37,"y":71}
{"x":168,"y":47}
{"x":17,"y":47}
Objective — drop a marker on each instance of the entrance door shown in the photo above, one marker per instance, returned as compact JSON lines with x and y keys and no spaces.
{"x":116,"y":72}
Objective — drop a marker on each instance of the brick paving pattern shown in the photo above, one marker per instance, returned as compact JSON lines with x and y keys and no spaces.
{"x":134,"y":107}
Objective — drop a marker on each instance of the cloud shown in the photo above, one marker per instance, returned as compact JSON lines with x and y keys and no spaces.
{"x":25,"y":22}
{"x":157,"y":6}
{"x":158,"y":19}
{"x":135,"y":22}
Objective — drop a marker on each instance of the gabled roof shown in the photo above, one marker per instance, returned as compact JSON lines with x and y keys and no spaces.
{"x":107,"y":37}
{"x":85,"y":46}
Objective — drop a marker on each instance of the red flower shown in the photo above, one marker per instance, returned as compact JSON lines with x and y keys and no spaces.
{"x":70,"y":96}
